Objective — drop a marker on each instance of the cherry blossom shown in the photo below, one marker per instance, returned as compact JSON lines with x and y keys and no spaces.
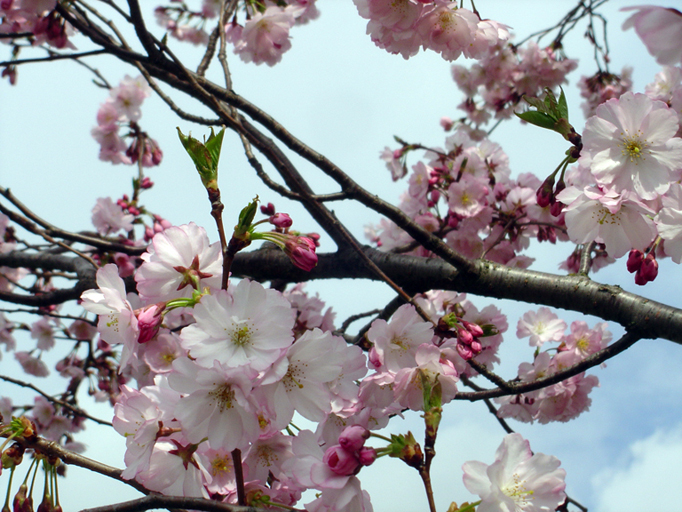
{"x":248,"y":327}
{"x":265,"y":37}
{"x":117,"y":321}
{"x":108,"y":217}
{"x":541,"y":325}
{"x":629,"y":144}
{"x":621,"y":222}
{"x":215,"y":404}
{"x":518,"y":480}
{"x":660,"y":29}
{"x":179,"y":261}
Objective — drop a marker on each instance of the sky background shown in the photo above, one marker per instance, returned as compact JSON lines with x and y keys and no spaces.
{"x":346,"y":98}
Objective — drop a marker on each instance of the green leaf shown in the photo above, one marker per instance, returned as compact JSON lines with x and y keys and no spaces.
{"x":204,"y":155}
{"x":537,"y":118}
{"x":563,"y":105}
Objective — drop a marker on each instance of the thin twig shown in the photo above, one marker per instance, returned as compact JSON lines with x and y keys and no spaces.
{"x":75,"y":410}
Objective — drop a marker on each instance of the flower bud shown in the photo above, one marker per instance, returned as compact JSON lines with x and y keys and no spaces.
{"x":149,"y":321}
{"x":340,"y":461}
{"x":635,"y":259}
{"x":281,"y":220}
{"x":353,"y":438}
{"x":301,"y":252}
{"x":367,"y":456}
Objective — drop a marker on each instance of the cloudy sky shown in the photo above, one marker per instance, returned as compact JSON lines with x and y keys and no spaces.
{"x":346,"y":98}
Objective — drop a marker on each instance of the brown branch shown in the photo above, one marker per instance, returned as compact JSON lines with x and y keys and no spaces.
{"x":516,"y":388}
{"x":75,"y":410}
{"x":55,"y":450}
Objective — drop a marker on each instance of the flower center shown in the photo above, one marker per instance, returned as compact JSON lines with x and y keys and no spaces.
{"x":634,"y":147}
{"x":517,"y":491}
{"x":241,"y":335}
{"x":446,"y":20}
{"x":220,"y":465}
{"x":222,"y":396}
{"x":606,"y":217}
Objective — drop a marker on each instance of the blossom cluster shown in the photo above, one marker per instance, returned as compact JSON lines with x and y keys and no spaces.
{"x":495,"y":85}
{"x":404,"y":26}
{"x":569,"y":398}
{"x":38,"y":17}
{"x":122,"y":109}
{"x":261,"y":38}
{"x":464,"y":194}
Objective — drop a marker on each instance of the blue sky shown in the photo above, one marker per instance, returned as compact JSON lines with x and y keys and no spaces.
{"x":346,"y":98}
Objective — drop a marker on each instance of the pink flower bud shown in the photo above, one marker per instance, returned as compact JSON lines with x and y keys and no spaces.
{"x":398,"y":154}
{"x":464,"y":336}
{"x":464,"y":351}
{"x":648,"y":271}
{"x":635,"y":260}
{"x":146,"y":183}
{"x":301,"y":252}
{"x":367,"y":455}
{"x":353,"y":438}
{"x":267,"y":209}
{"x":474,"y":329}
{"x":544,"y":194}
{"x":341,"y":462}
{"x":374,"y":358}
{"x":281,"y":220}
{"x":149,"y":321}
{"x":445,"y":122}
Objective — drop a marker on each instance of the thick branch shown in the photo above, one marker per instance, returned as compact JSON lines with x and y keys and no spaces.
{"x":639,"y":315}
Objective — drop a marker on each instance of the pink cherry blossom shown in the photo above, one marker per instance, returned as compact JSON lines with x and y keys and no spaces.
{"x":541,"y":325}
{"x":660,"y":29}
{"x":630,"y":144}
{"x":215,"y":404}
{"x":31,"y":364}
{"x":108,"y":217}
{"x":179,"y":261}
{"x":396,"y":342}
{"x":517,"y":481}
{"x":303,"y":388}
{"x":117,"y":321}
{"x":248,"y":327}
{"x":137,"y":417}
{"x":42,"y":331}
{"x":265,"y":37}
{"x":619,"y":221}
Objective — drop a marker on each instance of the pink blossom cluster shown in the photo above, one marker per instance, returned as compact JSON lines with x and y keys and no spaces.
{"x":404,"y":26}
{"x":569,"y":398}
{"x":603,"y":86}
{"x":406,"y":348}
{"x":495,"y":85}
{"x":464,"y":194}
{"x":38,"y":17}
{"x":261,"y":38}
{"x":219,"y":370}
{"x":625,"y":191}
{"x":122,"y":110}
{"x":225,"y":370}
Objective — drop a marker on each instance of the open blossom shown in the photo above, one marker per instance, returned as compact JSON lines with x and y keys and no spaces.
{"x":179,"y":261}
{"x":265,"y":37}
{"x":660,"y":29}
{"x":250,"y":327}
{"x":108,"y":217}
{"x":517,"y":481}
{"x":541,"y":325}
{"x":631,"y":145}
{"x":117,"y":321}
{"x":618,"y":221}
